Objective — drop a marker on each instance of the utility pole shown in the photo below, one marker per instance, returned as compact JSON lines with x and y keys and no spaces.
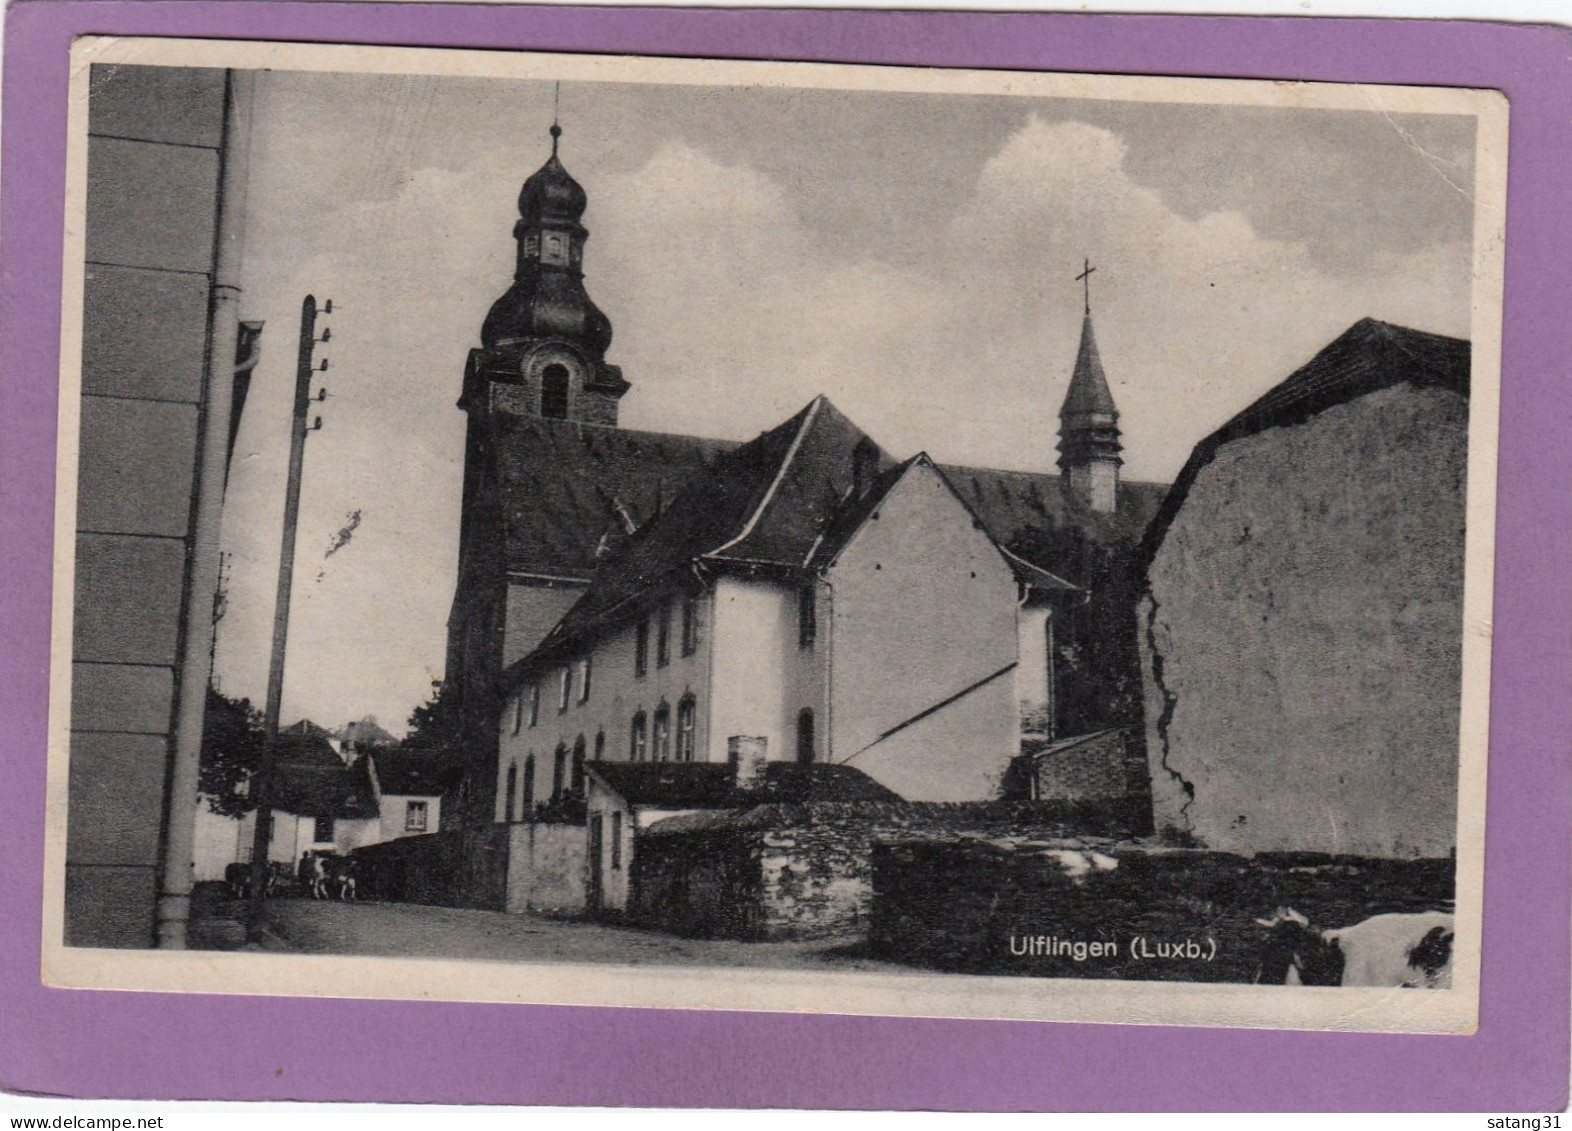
{"x":298,"y":430}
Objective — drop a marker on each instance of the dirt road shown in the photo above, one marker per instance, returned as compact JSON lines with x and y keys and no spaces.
{"x":412,"y":930}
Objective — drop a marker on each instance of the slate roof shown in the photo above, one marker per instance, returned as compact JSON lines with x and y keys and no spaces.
{"x":1017,"y":505}
{"x":711,"y":785}
{"x":1365,"y":358}
{"x":1088,"y":391}
{"x":566,"y":486}
{"x":311,"y":790}
{"x":418,"y":772}
{"x":307,"y":743}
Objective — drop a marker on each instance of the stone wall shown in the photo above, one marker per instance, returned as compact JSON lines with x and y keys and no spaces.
{"x":1097,"y":768}
{"x":546,"y":868}
{"x":805,"y":871}
{"x":986,"y":906}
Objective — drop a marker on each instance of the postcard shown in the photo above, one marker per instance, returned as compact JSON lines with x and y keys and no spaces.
{"x":698,"y":534}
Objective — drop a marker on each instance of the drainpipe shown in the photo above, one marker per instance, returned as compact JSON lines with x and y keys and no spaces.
{"x":195,"y":672}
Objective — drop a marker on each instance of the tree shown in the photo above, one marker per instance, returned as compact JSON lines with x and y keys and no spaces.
{"x":435,"y":723}
{"x":232,"y":744}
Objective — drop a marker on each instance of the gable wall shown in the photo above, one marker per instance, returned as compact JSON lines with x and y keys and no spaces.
{"x":924,"y":606}
{"x":1301,"y":638}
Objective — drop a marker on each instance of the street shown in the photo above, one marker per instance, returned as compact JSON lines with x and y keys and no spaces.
{"x":413,"y":930}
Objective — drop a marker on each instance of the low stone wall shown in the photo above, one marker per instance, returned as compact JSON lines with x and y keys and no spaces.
{"x":1082,"y":909}
{"x":805,"y":871}
{"x":546,"y":867}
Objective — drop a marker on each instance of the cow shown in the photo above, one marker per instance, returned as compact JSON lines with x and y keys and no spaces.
{"x":341,"y":877}
{"x":314,"y":872}
{"x":238,"y":879}
{"x":1406,"y":949}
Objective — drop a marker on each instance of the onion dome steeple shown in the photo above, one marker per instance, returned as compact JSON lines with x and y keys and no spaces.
{"x":547,"y":298}
{"x":1089,"y":444}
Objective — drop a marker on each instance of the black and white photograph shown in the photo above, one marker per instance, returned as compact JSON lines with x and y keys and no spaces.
{"x":699,"y":534}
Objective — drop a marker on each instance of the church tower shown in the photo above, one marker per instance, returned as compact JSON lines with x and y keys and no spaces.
{"x":1089,"y":426}
{"x":543,"y":344}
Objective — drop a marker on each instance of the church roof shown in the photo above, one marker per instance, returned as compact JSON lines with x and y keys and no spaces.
{"x":1088,"y":392}
{"x":566,"y":487}
{"x":712,"y":785}
{"x":1367,"y":357}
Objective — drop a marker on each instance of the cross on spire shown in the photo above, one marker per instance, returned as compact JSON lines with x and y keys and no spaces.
{"x":556,"y":106}
{"x":1085,"y":278}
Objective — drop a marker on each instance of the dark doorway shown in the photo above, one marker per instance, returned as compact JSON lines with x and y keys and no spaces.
{"x":804,"y":736}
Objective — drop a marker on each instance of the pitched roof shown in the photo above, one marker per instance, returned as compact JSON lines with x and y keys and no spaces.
{"x":711,"y":785}
{"x":365,"y":732}
{"x":763,"y":503}
{"x":1017,"y":506}
{"x":310,"y":790}
{"x":419,"y":772}
{"x":1367,"y":357}
{"x":1088,"y":391}
{"x":305,"y":742}
{"x":565,"y":486}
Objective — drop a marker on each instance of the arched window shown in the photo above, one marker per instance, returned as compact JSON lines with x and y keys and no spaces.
{"x":559,"y":772}
{"x":512,"y":792}
{"x":578,"y":765}
{"x":638,"y":739}
{"x":686,"y":712}
{"x":529,"y":784}
{"x":662,"y":733}
{"x":518,"y":713}
{"x":554,"y":392}
{"x":805,"y":736}
{"x":600,"y":745}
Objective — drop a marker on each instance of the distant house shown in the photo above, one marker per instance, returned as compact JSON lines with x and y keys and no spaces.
{"x":1302,"y":624}
{"x":363,"y":735}
{"x":410,"y":786}
{"x":322,"y":804}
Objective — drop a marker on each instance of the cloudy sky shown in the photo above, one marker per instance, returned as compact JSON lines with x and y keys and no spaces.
{"x":910,"y":255}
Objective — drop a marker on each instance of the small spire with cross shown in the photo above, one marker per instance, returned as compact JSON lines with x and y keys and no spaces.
{"x":1085,"y":278}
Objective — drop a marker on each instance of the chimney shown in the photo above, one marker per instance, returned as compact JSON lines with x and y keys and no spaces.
{"x":748,"y":757}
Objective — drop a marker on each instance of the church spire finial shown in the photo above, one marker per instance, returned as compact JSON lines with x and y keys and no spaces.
{"x":556,"y":113}
{"x":1085,"y":277}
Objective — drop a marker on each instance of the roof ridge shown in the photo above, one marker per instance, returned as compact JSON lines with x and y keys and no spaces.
{"x":780,"y":474}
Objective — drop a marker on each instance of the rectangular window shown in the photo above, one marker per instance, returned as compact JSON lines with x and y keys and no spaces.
{"x":534,"y":704}
{"x":690,"y":625}
{"x":518,"y":713}
{"x":322,"y":831}
{"x":565,"y":690}
{"x":415,"y":812}
{"x":616,"y":841}
{"x":807,"y":616}
{"x":641,"y":648}
{"x":584,"y":679}
{"x":663,"y":636}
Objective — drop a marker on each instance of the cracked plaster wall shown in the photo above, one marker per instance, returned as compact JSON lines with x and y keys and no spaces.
{"x":1301,"y":635}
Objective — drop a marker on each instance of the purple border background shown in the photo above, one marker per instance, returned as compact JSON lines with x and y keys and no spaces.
{"x":185,"y":1046}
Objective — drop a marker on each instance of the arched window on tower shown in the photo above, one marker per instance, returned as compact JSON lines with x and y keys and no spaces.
{"x":805,"y":736}
{"x":554,"y":392}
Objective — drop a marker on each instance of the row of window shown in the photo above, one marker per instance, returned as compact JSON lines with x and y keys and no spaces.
{"x":647,"y":742}
{"x":567,"y":776}
{"x":663,"y":618}
{"x":576,"y":676}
